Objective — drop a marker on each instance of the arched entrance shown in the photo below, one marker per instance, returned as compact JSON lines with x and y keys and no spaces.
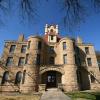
{"x":51,"y":79}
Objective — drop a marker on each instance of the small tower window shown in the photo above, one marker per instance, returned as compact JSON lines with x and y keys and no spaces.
{"x":39,"y":45}
{"x":64,"y":45}
{"x":65,"y":59}
{"x":52,"y":37}
{"x":51,"y":30}
{"x":87,"y":50}
{"x":89,"y":61}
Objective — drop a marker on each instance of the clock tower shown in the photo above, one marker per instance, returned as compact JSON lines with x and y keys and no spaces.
{"x":51,"y":33}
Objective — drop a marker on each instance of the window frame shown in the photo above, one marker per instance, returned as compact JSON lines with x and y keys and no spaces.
{"x":64,"y":46}
{"x":52,"y":37}
{"x":65,"y":59}
{"x":23,"y":48}
{"x":12,"y":48}
{"x":20,"y":61}
{"x":89,"y":61}
{"x":87,"y":50}
{"x":9,"y":61}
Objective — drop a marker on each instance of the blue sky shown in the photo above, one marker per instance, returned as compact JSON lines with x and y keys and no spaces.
{"x":89,"y":31}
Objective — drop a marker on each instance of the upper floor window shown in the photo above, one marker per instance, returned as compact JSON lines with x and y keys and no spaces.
{"x":89,"y":61}
{"x":87,"y":50}
{"x":21,"y":61}
{"x":51,"y":60}
{"x":27,"y":57}
{"x":64,"y":45}
{"x":39,"y":45}
{"x":52,"y":37}
{"x":12,"y":48}
{"x":51,"y":49}
{"x":23,"y":49}
{"x":9,"y":61}
{"x":65,"y":59}
{"x":38,"y":59}
{"x":29,"y":42}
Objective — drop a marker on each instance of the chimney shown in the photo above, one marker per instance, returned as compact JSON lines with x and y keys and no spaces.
{"x":79,"y":40}
{"x":21,"y":38}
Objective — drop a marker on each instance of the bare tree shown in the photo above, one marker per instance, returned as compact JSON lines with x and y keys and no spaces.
{"x":74,"y":10}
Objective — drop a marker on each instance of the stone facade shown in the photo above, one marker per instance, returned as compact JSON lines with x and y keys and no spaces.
{"x":39,"y":63}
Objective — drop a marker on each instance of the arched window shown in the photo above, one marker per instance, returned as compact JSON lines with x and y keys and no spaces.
{"x":5,"y":77}
{"x":18,"y":77}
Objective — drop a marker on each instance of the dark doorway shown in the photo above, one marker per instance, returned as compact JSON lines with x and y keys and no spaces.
{"x":51,"y":79}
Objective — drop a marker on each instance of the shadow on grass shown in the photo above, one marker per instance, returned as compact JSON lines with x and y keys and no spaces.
{"x":97,"y":95}
{"x":85,"y":95}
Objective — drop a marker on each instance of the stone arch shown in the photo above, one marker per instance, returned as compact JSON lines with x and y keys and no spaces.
{"x":52,"y":69}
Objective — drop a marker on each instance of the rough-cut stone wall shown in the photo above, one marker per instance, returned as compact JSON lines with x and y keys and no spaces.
{"x":33,"y":72}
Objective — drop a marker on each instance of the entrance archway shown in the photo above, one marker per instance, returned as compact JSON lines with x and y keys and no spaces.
{"x":51,"y":79}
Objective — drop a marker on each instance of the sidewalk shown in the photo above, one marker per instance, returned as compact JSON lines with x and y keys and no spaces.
{"x":54,"y":94}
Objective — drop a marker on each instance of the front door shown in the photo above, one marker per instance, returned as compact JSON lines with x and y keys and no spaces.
{"x":51,"y":79}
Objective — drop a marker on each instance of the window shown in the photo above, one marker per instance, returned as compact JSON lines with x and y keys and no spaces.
{"x":87,"y":50}
{"x":64,"y":45}
{"x":12,"y":48}
{"x":18,"y":77}
{"x":23,"y":49}
{"x":51,"y":30}
{"x":51,"y":60}
{"x":38,"y":59}
{"x":27,"y":57}
{"x":89,"y":62}
{"x":39,"y":45}
{"x":65,"y":59}
{"x":5,"y":77}
{"x":29,"y":42}
{"x":51,"y":49}
{"x":9,"y":61}
{"x":21,"y":61}
{"x":51,"y":37}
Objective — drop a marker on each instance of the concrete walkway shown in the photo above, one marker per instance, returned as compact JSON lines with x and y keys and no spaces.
{"x":54,"y":94}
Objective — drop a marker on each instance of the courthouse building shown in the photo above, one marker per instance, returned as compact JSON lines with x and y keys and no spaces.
{"x":49,"y":61}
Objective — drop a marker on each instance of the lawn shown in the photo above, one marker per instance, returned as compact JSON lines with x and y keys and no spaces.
{"x":84,"y":95}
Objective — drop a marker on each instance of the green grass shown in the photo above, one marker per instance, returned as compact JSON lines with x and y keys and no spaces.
{"x":84,"y":95}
